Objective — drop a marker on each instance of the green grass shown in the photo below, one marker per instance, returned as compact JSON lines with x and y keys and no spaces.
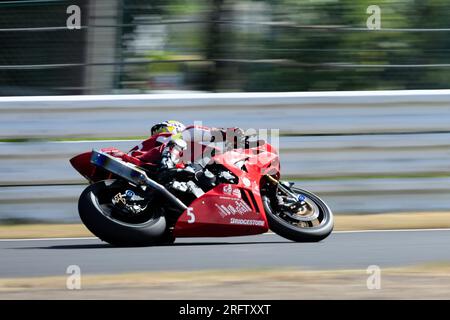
{"x":87,"y":138}
{"x":15,"y":140}
{"x":70,"y":139}
{"x":369,"y":176}
{"x":99,"y":138}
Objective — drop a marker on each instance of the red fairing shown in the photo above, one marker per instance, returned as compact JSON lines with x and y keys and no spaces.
{"x":223,"y":211}
{"x":82,"y":163}
{"x":232,"y":210}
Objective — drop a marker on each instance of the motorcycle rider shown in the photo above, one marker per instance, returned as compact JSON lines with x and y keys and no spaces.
{"x":170,"y":138}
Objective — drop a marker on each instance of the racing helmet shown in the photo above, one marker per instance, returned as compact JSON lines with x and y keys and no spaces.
{"x":169,"y":126}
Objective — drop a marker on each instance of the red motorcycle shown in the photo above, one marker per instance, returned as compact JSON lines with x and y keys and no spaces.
{"x":232,"y":193}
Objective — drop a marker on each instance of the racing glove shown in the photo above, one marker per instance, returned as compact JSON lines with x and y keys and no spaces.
{"x":171,"y":154}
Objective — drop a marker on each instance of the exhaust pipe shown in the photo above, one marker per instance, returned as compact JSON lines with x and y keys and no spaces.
{"x":133,"y":174}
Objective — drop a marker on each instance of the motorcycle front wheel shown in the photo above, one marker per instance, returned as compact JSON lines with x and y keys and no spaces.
{"x":114,"y":224}
{"x":312,"y":223}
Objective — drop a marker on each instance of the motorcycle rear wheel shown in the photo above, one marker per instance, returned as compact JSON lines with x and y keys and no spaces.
{"x":95,"y":209}
{"x":288,"y":228}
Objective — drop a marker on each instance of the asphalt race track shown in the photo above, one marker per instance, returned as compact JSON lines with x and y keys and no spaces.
{"x":342,"y":250}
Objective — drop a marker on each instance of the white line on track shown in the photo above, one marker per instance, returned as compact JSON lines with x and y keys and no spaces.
{"x":48,"y":239}
{"x":393,"y":230}
{"x":267,"y":233}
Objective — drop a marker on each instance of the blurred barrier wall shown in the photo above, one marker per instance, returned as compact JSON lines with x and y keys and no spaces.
{"x":363,"y":152}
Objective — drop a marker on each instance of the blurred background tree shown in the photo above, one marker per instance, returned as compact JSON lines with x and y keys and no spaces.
{"x":223,"y":45}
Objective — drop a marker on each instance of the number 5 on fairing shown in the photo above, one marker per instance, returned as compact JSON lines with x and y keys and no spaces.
{"x":191,"y":215}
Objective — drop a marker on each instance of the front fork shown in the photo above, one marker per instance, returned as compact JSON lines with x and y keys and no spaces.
{"x":291,"y":195}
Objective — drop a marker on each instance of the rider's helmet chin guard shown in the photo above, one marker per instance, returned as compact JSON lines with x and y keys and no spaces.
{"x":169,"y":126}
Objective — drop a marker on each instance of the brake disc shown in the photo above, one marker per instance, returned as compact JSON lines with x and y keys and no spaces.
{"x":308,"y":211}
